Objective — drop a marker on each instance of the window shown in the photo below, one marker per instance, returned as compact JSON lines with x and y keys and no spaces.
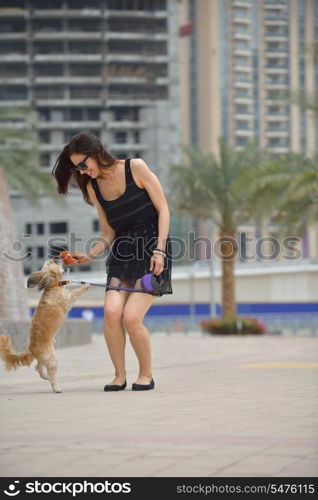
{"x":12,"y":48}
{"x":70,"y":134}
{"x":241,"y":141}
{"x":49,"y":70}
{"x":85,"y":47}
{"x":48,"y":47}
{"x":76,"y":114}
{"x":40,"y":228}
{"x":85,"y":92}
{"x":241,"y":125}
{"x":85,"y":267}
{"x":93,"y":114}
{"x":12,"y":93}
{"x":58,"y":227}
{"x":45,"y":159}
{"x":12,"y":25}
{"x":40,"y":252}
{"x":85,"y":70}
{"x":28,"y":228}
{"x":95,"y":225}
{"x":242,"y":108}
{"x":44,"y":136}
{"x":120,"y":137}
{"x":274,"y":141}
{"x":136,"y":136}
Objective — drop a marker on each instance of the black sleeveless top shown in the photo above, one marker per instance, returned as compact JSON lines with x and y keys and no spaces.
{"x":135,"y":221}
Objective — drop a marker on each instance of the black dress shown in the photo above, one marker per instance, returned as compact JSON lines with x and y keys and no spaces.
{"x":135,"y":221}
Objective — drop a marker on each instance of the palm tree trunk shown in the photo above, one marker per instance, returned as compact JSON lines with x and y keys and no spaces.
{"x":228,"y":249}
{"x":13,"y":296}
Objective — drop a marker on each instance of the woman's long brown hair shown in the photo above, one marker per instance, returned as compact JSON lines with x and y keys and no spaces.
{"x":64,"y":172}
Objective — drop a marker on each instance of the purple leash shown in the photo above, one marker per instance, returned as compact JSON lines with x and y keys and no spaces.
{"x":112,"y":287}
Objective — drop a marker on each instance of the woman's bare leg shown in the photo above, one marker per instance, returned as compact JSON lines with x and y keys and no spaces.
{"x":135,"y":309}
{"x":114,"y":331}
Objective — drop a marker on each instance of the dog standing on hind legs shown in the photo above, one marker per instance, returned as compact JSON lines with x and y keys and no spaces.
{"x":49,"y":315}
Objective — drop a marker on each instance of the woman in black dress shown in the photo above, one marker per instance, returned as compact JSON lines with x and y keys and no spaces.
{"x":134,"y":220}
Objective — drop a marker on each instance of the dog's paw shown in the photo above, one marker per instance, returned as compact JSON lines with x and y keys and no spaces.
{"x":58,"y":390}
{"x":87,"y":286}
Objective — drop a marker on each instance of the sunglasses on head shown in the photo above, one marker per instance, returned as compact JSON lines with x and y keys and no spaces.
{"x":82,"y":165}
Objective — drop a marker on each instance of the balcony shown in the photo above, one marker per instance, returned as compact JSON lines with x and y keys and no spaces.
{"x":246,"y":68}
{"x":241,"y":20}
{"x":276,"y":69}
{"x":13,"y":36}
{"x":128,"y":146}
{"x":275,"y":22}
{"x":275,"y":38}
{"x":66,"y":13}
{"x":125,"y":124}
{"x":239,"y":35}
{"x":67,"y":35}
{"x":277,"y":85}
{"x":241,"y":3}
{"x":80,"y":80}
{"x":13,"y":12}
{"x":242,"y":84}
{"x":278,"y":149}
{"x":122,"y":57}
{"x":243,"y":133}
{"x":114,"y":35}
{"x":14,"y":80}
{"x":274,"y":6}
{"x":242,"y":99}
{"x":243,"y":116}
{"x":276,"y":54}
{"x":66,"y":125}
{"x":276,"y":133}
{"x":279,"y":117}
{"x":239,"y":51}
{"x":14,"y":58}
{"x":67,"y":101}
{"x":68,"y":57}
{"x":141,"y":14}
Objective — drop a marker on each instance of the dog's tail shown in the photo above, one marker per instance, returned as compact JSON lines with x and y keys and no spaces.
{"x":12,"y":359}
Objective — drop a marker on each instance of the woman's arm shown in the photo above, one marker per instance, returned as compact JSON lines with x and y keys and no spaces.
{"x":150,"y":182}
{"x":107,"y":234}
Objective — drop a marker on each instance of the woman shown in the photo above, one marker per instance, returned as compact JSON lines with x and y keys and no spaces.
{"x":134,"y":220}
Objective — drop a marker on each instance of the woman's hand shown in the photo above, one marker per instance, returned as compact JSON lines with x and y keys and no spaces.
{"x":157,"y":263}
{"x":80,"y":258}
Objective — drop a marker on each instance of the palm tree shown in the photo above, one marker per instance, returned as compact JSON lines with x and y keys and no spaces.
{"x":19,"y":169}
{"x":289,"y":185}
{"x":210,"y":188}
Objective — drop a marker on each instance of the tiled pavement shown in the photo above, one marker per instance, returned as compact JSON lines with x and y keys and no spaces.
{"x":235,"y":406}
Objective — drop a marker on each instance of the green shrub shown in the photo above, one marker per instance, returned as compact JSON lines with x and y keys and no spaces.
{"x":233,"y":326}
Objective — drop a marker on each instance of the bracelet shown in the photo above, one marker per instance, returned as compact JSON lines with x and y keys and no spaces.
{"x":158,"y":250}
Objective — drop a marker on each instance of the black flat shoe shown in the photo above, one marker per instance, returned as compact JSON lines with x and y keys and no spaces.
{"x":143,"y":387}
{"x":114,"y":387}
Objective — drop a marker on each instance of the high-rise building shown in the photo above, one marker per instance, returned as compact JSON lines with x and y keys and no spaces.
{"x":108,"y":66}
{"x":240,"y":60}
{"x":248,"y":56}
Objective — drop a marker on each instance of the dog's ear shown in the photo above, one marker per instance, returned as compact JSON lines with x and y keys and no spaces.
{"x":40,"y":278}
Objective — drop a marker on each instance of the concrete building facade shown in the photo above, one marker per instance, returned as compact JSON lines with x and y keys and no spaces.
{"x":108,"y":66}
{"x":240,"y":60}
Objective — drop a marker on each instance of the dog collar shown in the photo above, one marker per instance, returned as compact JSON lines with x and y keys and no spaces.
{"x":61,"y":283}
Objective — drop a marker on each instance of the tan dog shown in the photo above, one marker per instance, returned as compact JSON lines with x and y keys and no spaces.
{"x":49,"y":315}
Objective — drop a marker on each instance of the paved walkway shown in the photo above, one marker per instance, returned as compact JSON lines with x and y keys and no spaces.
{"x":222,"y":407}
